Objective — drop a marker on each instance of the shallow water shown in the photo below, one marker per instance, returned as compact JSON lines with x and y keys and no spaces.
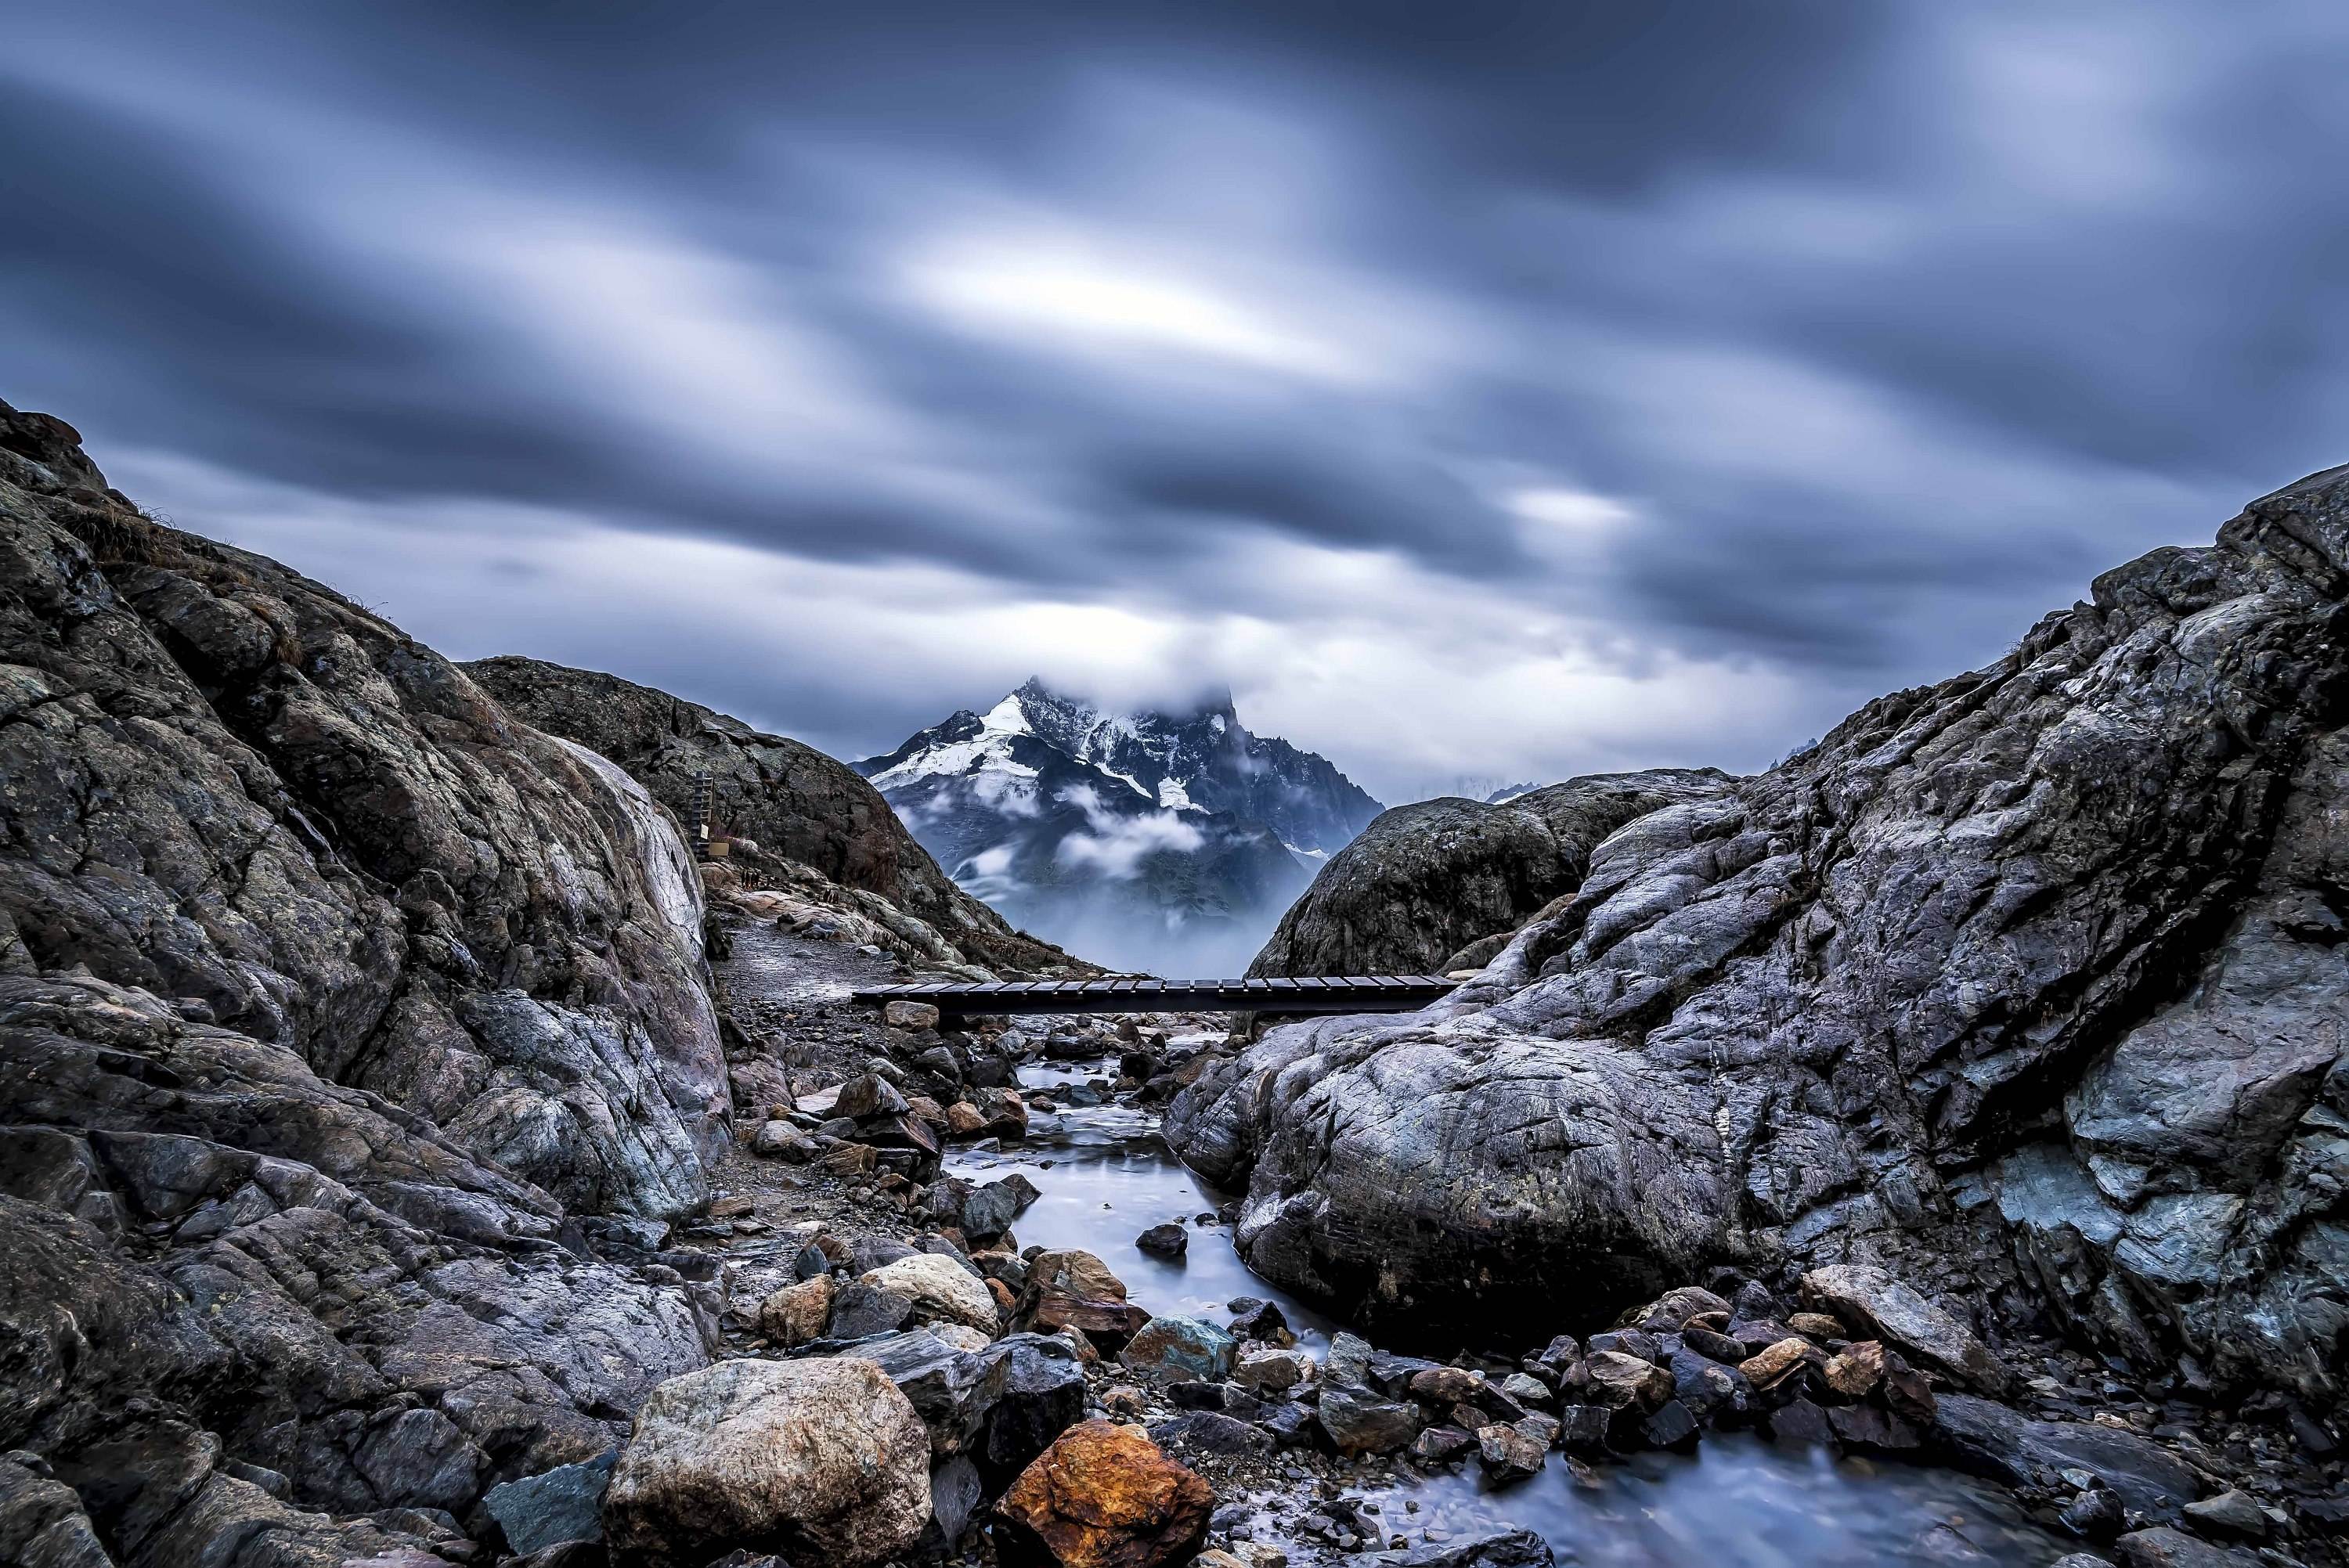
{"x":1737,"y":1503}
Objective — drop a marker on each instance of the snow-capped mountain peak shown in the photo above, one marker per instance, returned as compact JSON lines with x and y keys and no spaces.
{"x":1044,"y":799}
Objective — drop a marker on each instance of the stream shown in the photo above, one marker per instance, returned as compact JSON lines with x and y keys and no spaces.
{"x":1737,"y":1503}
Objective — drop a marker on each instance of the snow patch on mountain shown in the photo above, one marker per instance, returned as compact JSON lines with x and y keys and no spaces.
{"x":1169,"y":839}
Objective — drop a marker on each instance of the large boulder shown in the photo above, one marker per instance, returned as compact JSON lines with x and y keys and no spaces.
{"x":808,"y":1460}
{"x":2042,"y":961}
{"x":1104,"y":1496}
{"x":1427,"y":879}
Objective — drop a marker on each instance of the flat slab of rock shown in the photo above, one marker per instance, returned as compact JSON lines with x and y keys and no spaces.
{"x":819,"y":1460}
{"x":1993,"y":1441}
{"x":1509,"y":1548}
{"x":2166,"y":1548}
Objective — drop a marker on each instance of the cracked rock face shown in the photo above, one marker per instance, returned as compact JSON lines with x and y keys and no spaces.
{"x":233,"y":788}
{"x":1441,"y":884}
{"x":328,"y":993}
{"x":2033,"y":978}
{"x":262,"y":1273}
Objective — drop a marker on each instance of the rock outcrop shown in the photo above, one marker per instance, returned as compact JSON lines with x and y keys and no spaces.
{"x":234,"y":788}
{"x":216,"y":1266}
{"x":790,"y":798}
{"x":2027,"y":984}
{"x":1425,"y":881}
{"x":356,"y":1044}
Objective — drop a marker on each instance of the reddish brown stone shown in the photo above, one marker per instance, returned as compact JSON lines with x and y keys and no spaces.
{"x":1104,"y":1496}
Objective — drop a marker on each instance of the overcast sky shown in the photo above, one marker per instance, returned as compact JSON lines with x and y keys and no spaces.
{"x":1502,"y":391}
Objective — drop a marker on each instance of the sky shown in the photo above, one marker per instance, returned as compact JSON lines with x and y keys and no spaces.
{"x":1482,"y":391}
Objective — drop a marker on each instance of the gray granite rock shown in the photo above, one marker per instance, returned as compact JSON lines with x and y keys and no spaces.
{"x":2041,"y":960}
{"x":564,"y":1503}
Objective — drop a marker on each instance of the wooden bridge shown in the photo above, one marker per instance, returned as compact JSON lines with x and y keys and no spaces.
{"x":1332,"y":994}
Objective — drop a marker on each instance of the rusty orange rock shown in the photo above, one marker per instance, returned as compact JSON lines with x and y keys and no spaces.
{"x":1104,"y":1496}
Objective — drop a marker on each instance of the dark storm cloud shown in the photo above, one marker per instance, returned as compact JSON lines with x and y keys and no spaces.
{"x":1827,"y":341}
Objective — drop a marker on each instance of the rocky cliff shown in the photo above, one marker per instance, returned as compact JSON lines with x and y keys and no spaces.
{"x":1446,"y":882}
{"x":2030,"y":983}
{"x":331,"y":998}
{"x":234,"y":788}
{"x":791,"y":799}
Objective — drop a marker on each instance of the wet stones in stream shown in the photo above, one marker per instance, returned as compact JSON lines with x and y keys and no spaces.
{"x":1166,"y":1241}
{"x":1850,"y":1361}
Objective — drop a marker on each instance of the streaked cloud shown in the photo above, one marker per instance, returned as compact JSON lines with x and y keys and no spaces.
{"x":1510,"y":392}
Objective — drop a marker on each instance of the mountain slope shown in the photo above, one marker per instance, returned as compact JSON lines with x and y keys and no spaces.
{"x":1146,"y":840}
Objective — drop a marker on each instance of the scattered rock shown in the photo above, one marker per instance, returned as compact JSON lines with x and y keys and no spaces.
{"x":1670,"y":1426}
{"x":1360,"y":1422}
{"x":1212,"y":1432}
{"x":859,"y":1309}
{"x":1856,"y":1371}
{"x":1508,"y":1549}
{"x":1260,"y":1320}
{"x":1032,"y":1390}
{"x":1896,"y":1315}
{"x":779,"y":1139}
{"x":1509,"y":1454}
{"x":2096,"y":1513}
{"x":2165,"y":1548}
{"x":1780,"y":1360}
{"x":797,"y":1313}
{"x":869,"y":1097}
{"x":955,"y":1493}
{"x":1167,"y":1241}
{"x":1272,"y":1371}
{"x":1799,"y":1424}
{"x":1617,"y":1380}
{"x":2232,"y":1515}
{"x":1176,"y":1349}
{"x":1442,"y":1445}
{"x":906,"y":1013}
